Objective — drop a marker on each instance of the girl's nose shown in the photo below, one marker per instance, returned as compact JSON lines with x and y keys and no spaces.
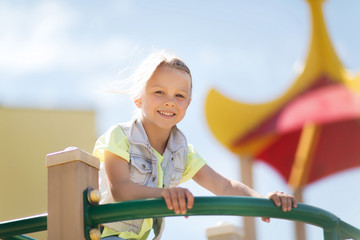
{"x":169,"y":102}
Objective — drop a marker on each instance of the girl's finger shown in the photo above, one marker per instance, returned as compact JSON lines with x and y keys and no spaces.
{"x":190,"y":199}
{"x":182,"y":201}
{"x":166,"y":196}
{"x":284,"y":204}
{"x":276,"y":199}
{"x":174,"y":199}
{"x":294,"y":202}
{"x":289,"y":203}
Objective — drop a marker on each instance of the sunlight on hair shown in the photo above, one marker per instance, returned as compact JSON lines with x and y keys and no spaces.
{"x":134,"y":84}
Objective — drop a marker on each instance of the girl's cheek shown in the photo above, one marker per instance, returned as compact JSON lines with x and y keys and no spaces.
{"x":185,"y":105}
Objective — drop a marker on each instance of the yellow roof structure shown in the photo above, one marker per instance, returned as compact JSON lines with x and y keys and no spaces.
{"x":241,"y":117}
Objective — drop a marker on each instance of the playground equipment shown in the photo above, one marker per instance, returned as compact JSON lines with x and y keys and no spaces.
{"x":303,"y":133}
{"x":74,"y":213}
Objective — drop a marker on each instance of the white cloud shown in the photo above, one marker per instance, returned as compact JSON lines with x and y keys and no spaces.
{"x":85,"y":55}
{"x":30,"y":37}
{"x":41,"y":37}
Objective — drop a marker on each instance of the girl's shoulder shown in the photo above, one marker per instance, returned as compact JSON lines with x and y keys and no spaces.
{"x":119,"y":129}
{"x":116,"y":134}
{"x":192,"y":153}
{"x":113,"y":140}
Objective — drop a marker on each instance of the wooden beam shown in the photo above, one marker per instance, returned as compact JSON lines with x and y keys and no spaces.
{"x":247,"y":178}
{"x":70,"y":172}
{"x":301,"y":168}
{"x":304,"y":156}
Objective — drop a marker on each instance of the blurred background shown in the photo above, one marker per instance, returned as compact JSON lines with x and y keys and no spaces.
{"x":57,"y":59}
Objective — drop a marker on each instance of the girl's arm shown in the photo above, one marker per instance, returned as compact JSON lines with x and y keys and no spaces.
{"x":219,"y":185}
{"x":122,"y":189}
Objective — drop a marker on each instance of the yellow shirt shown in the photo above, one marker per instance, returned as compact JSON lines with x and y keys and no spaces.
{"x":116,"y":142}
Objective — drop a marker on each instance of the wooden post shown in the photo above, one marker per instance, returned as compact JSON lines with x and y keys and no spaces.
{"x":225,"y":231}
{"x":299,"y":226}
{"x":247,"y":178}
{"x":301,"y":167}
{"x":70,"y":172}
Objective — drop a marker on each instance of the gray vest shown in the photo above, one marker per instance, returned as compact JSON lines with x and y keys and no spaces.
{"x":143,"y":168}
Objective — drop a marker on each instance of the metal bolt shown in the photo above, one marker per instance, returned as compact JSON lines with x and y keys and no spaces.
{"x":95,"y":234}
{"x":94,"y":196}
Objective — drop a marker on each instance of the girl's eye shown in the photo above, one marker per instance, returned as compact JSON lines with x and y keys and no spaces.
{"x":180,"y":96}
{"x":159,"y":92}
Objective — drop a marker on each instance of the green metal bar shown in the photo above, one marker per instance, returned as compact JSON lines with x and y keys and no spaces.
{"x":348,"y":231}
{"x":19,"y":237}
{"x":87,"y":222}
{"x":23,"y":225}
{"x":334,"y":228}
{"x":242,"y":206}
{"x":236,"y":206}
{"x":332,"y":234}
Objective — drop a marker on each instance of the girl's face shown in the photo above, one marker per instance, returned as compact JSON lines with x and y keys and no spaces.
{"x":165,"y":99}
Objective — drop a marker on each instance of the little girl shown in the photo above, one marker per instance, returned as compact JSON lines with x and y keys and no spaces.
{"x":149,"y":157}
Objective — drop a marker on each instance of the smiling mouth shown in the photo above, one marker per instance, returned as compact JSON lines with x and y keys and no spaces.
{"x":169,"y":114}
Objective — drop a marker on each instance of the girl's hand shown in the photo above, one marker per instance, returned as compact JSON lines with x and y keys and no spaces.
{"x":178,"y":199}
{"x":284,"y":200}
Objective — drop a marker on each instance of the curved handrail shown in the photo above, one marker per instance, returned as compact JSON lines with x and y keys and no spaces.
{"x":19,"y":237}
{"x":24,"y":225}
{"x":334,"y":227}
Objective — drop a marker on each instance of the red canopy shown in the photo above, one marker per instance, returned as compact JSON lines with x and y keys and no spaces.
{"x":311,"y":131}
{"x":335,"y":109}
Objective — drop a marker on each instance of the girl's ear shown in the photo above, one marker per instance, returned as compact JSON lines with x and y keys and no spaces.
{"x":138,"y":102}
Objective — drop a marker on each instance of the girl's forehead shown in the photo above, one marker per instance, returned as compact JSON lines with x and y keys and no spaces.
{"x":168,"y":76}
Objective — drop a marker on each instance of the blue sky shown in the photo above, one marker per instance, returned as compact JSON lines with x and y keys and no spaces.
{"x":63,"y":54}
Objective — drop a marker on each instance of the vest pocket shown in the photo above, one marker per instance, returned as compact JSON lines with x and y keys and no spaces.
{"x":176,"y":176}
{"x":140,"y":170}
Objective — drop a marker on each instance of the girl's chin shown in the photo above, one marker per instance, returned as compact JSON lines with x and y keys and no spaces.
{"x":166,"y":125}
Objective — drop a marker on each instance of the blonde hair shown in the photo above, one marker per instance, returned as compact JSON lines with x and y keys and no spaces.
{"x":135,"y":84}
